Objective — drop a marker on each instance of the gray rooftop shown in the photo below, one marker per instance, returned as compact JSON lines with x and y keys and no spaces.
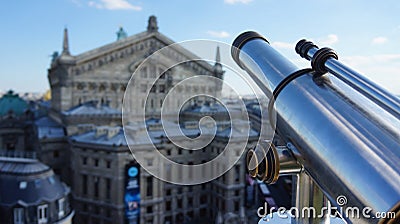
{"x":153,"y":132}
{"x":28,"y":182}
{"x":92,"y":109}
{"x":102,"y":135}
{"x":21,"y":166}
{"x":48,"y":128}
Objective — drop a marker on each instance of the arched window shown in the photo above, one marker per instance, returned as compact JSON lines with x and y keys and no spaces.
{"x":102,"y":87}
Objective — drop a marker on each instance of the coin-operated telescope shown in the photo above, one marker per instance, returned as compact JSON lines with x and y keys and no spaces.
{"x":342,"y":133}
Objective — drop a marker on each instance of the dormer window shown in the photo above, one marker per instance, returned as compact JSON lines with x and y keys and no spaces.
{"x":22,"y":185}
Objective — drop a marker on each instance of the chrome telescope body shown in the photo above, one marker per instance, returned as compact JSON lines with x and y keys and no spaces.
{"x":377,"y":94}
{"x":342,"y":130}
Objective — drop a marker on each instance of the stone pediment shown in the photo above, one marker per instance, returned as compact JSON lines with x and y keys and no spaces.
{"x":140,"y":45}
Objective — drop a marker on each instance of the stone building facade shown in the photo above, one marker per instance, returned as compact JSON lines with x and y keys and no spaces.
{"x":83,"y":138}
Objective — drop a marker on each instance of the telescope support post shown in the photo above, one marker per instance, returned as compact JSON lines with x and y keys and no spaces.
{"x":309,"y":198}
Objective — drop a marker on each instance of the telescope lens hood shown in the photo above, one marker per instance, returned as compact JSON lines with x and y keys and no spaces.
{"x":241,"y":40}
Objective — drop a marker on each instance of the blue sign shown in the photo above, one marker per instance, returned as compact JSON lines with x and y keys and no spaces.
{"x":132,"y":194}
{"x":133,"y":172}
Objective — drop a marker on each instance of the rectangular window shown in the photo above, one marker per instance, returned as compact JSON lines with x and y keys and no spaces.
{"x":84,"y":160}
{"x":203,"y":199}
{"x":143,"y":88}
{"x":149,"y":184}
{"x":237,"y":206}
{"x":97,"y":210}
{"x":56,"y":154}
{"x":168,"y":219}
{"x":237,"y":173}
{"x":108,"y":188}
{"x":203,"y":212}
{"x":96,"y":186}
{"x":84,"y":184}
{"x":143,"y":72}
{"x":108,"y":213}
{"x":85,"y":207}
{"x":42,"y":214}
{"x":190,"y":201}
{"x":168,"y":206}
{"x":19,"y":216}
{"x":153,"y":72}
{"x":149,"y":209}
{"x":61,"y":208}
{"x":151,"y":103}
{"x":161,"y":88}
{"x":108,"y":164}
{"x":96,"y":162}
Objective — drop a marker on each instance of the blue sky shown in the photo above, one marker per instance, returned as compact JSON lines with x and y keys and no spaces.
{"x":366,"y":34}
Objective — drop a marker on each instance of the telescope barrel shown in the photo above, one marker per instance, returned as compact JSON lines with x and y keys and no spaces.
{"x":377,"y":94}
{"x":347,"y":150}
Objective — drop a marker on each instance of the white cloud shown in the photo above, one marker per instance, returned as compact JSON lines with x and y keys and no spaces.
{"x":77,"y":3}
{"x":329,"y":40}
{"x":114,"y":5}
{"x":232,"y":2}
{"x":218,"y":34}
{"x":283,"y":45}
{"x":379,"y":40}
{"x":381,"y":68}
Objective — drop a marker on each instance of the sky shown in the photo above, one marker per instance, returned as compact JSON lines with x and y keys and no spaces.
{"x":365,"y":34}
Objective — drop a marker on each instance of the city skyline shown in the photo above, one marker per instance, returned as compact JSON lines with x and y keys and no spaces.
{"x":365,"y":34}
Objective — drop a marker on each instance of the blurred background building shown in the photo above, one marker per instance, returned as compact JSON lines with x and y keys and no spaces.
{"x":31,"y":193}
{"x":79,"y":134}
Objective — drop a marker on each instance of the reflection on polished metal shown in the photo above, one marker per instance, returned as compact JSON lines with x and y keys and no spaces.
{"x":347,"y":143}
{"x":378,"y":95}
{"x":262,"y":162}
{"x":267,"y":162}
{"x":287,"y":163}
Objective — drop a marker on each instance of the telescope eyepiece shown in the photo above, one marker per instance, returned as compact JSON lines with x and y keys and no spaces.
{"x":303,"y":46}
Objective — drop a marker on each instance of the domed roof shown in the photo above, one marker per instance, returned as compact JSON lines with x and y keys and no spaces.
{"x":11,"y":102}
{"x":28,"y":182}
